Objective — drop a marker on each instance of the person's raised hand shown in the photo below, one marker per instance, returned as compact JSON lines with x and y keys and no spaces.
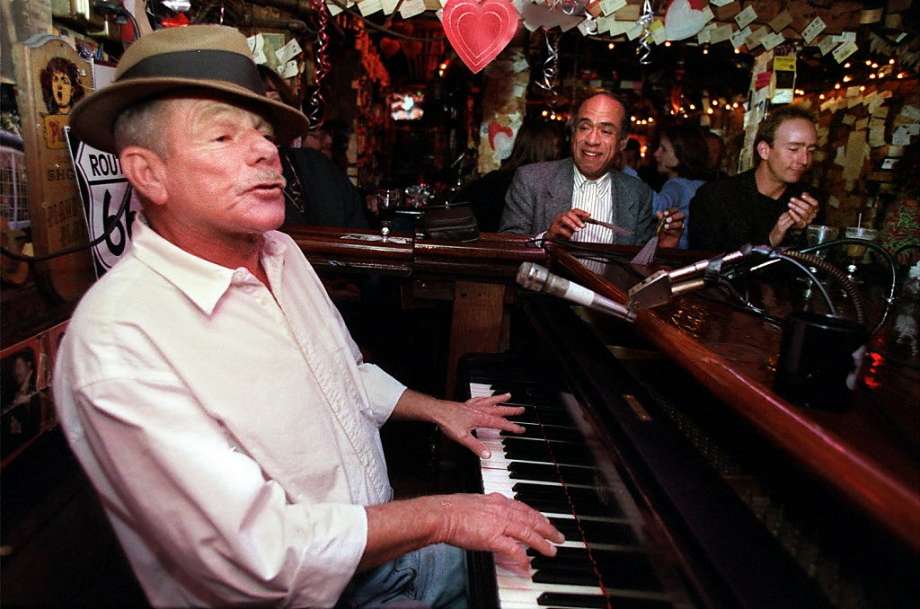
{"x":567,"y":224}
{"x":801,"y":211}
{"x":673,"y":227}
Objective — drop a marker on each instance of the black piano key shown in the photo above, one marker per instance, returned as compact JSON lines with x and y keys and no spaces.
{"x":592,"y":601}
{"x":531,"y":415}
{"x":522,"y":449}
{"x":625,"y":575}
{"x":630,"y":570}
{"x":561,"y":434}
{"x":615,"y":533}
{"x":551,"y":473}
{"x":568,"y":577}
{"x":583,"y":501}
{"x":528,"y":393}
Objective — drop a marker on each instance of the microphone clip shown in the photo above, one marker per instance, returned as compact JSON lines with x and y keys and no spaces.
{"x":660,"y":287}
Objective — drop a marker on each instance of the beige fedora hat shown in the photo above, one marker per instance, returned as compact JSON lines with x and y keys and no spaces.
{"x":213,"y":58}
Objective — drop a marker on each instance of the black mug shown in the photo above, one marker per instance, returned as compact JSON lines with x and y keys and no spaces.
{"x":819,"y":360}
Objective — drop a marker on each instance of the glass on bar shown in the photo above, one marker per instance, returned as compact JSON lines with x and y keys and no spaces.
{"x":855,"y":251}
{"x":388,"y":201}
{"x":816,"y":234}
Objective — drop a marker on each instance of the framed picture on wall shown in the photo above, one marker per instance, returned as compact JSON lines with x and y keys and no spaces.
{"x":25,"y":408}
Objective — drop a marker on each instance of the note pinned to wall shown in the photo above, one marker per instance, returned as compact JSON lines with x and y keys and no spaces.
{"x":704,"y":35}
{"x":901,"y":137}
{"x":369,"y":7}
{"x":608,"y":7}
{"x":811,"y":31}
{"x":840,"y":156}
{"x":911,"y":112}
{"x":411,"y":8}
{"x":634,"y":31}
{"x":842,"y":52}
{"x":720,"y":33}
{"x":855,"y":155}
{"x":877,"y":136}
{"x":827,"y":45}
{"x":773,"y":40}
{"x":740,"y":37}
{"x":757,"y":36}
{"x":781,"y":21}
{"x":746,"y":17}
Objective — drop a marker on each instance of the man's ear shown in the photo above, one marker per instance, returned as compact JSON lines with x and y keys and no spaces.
{"x":763,"y":150}
{"x":147,"y":173}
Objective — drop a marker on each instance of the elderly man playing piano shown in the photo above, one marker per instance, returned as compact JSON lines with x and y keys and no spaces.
{"x":211,"y":390}
{"x":580,"y":197}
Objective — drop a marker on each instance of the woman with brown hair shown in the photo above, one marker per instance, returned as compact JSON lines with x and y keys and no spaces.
{"x":535,"y":142}
{"x":682,"y":157}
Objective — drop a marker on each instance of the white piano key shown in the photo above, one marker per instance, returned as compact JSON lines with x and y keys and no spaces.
{"x":498,"y":477}
{"x":481,"y":390}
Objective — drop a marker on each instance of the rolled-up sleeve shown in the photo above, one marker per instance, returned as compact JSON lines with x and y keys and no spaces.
{"x":383,"y":391}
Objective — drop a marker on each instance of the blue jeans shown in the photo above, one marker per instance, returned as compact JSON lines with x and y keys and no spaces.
{"x":433,"y":577}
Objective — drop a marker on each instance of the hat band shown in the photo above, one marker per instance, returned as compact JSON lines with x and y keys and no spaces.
{"x":200,"y":64}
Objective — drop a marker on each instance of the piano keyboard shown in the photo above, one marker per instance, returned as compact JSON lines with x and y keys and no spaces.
{"x":603,"y":527}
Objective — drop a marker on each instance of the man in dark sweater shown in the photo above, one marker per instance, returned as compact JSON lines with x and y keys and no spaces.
{"x":761,"y":205}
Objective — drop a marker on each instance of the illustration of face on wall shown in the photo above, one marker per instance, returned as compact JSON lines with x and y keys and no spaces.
{"x":61,"y":87}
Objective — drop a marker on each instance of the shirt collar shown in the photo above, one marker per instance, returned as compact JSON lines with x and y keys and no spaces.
{"x":202,"y":281}
{"x":581,"y":180}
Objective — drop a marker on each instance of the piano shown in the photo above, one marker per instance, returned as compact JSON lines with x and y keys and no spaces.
{"x":666,"y":499}
{"x":679,"y":478}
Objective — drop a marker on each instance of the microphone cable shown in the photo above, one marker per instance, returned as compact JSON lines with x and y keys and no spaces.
{"x":112,"y":223}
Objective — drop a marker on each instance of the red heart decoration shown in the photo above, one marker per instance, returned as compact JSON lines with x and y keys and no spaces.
{"x":479,"y":31}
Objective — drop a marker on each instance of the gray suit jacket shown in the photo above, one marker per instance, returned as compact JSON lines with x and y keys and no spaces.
{"x":541,"y":191}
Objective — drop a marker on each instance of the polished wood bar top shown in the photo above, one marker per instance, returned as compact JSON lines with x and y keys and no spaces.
{"x":493,"y":255}
{"x":867,"y":451}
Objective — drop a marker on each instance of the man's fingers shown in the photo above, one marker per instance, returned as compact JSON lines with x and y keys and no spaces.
{"x":489,"y":400}
{"x":805,"y":207}
{"x":572,"y":221}
{"x":808,"y":199}
{"x":530,"y":538}
{"x":532,"y":519}
{"x":474,"y":444}
{"x":501,"y":423}
{"x":513,"y":557}
{"x":799,"y":218}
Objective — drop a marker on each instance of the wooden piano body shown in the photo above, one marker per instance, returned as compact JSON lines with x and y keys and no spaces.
{"x":737,"y":497}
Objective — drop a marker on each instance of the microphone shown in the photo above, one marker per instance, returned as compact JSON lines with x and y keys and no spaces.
{"x":539,"y":279}
{"x":659,"y":287}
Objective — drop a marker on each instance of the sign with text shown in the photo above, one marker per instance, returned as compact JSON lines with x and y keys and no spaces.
{"x":104,"y":190}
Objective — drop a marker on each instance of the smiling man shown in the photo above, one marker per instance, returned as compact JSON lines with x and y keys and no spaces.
{"x":211,"y":390}
{"x":557,"y":197}
{"x":765,"y":204}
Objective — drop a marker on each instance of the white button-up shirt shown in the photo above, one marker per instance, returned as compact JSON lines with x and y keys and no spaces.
{"x":231,"y":431}
{"x":594,"y":197}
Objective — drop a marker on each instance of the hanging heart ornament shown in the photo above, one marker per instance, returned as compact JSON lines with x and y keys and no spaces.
{"x":479,"y":31}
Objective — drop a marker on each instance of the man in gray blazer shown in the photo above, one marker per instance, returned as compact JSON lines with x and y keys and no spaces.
{"x":558,"y":196}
